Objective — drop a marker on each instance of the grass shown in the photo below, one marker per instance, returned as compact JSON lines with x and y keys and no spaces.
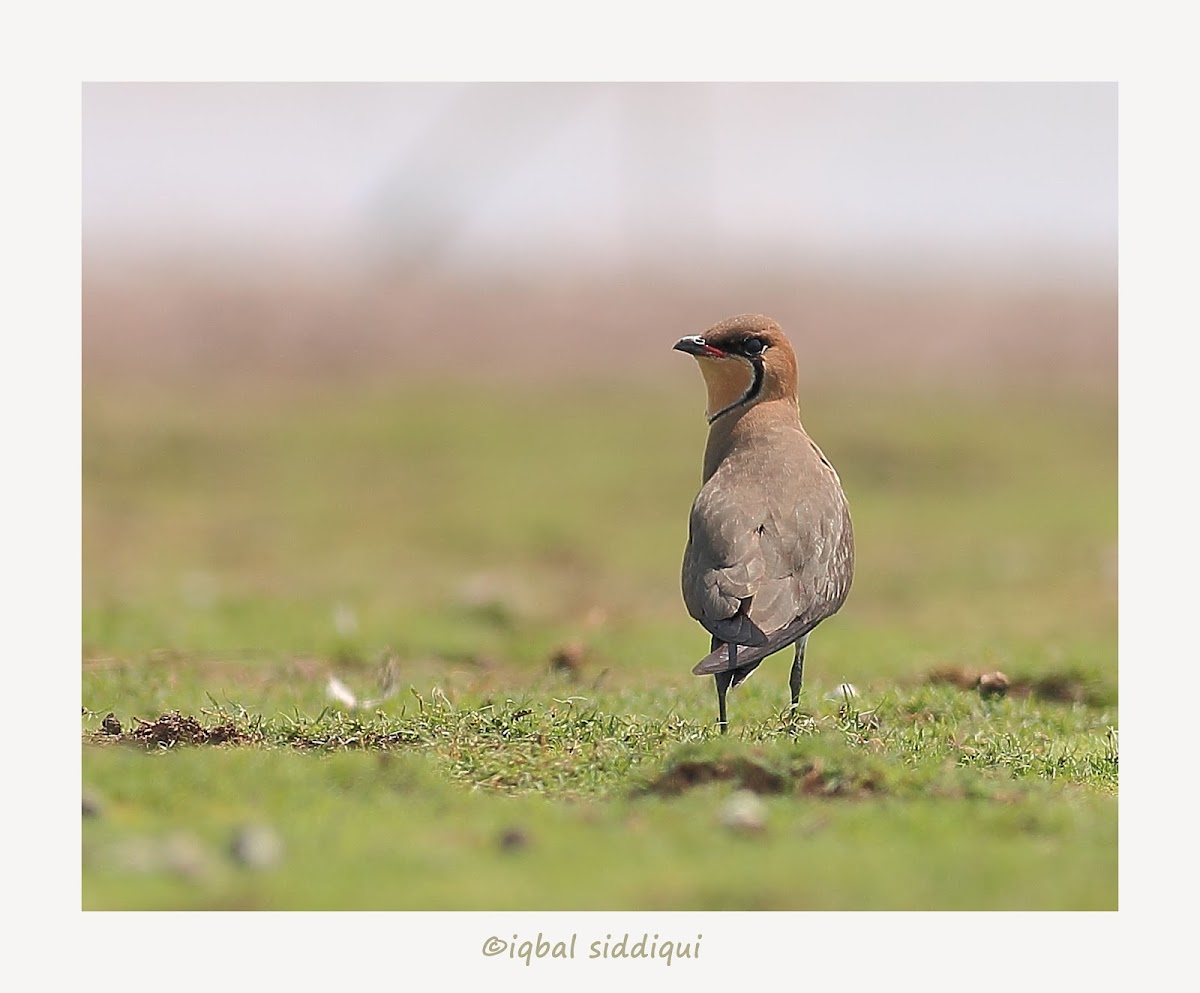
{"x":501,"y":573}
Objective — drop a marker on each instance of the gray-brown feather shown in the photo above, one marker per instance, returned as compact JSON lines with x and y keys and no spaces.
{"x":770,"y":546}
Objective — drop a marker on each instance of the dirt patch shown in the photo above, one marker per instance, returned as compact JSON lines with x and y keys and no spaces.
{"x":821,"y":780}
{"x":1059,"y":687}
{"x":1063,"y":687}
{"x":174,"y":728}
{"x":746,"y":773}
{"x":814,"y":778}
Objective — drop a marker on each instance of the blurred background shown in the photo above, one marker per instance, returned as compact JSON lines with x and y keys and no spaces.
{"x":898,"y":231}
{"x":390,"y":364}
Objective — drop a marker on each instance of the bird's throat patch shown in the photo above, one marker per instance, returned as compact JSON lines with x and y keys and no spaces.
{"x":730,"y":382}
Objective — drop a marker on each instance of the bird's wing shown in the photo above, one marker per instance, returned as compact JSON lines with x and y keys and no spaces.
{"x":777,"y":562}
{"x":828,"y":583}
{"x":723,"y":564}
{"x":718,"y":659}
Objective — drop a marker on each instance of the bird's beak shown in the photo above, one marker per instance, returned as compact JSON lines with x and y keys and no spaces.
{"x":695,"y":345}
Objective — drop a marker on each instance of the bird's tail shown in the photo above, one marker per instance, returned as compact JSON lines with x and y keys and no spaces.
{"x":722,"y":660}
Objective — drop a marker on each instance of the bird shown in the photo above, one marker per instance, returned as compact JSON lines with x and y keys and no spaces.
{"x":770,"y":548}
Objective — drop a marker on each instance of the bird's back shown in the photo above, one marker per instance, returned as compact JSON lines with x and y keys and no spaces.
{"x":770,"y":541}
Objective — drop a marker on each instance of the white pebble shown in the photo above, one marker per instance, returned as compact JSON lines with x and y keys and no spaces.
{"x":744,"y":812}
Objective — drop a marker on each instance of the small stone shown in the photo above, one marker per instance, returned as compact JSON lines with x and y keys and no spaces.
{"x":993,"y":684}
{"x":744,"y":812}
{"x":110,"y":724}
{"x":256,"y":847}
{"x":512,"y":839}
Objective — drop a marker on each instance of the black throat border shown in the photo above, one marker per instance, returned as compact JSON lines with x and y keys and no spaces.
{"x":751,"y":393}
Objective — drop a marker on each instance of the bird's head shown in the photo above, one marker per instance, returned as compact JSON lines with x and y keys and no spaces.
{"x":745,"y":360}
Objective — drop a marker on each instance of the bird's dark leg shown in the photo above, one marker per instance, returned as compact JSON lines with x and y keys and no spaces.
{"x":723,"y":679}
{"x":797,"y":676}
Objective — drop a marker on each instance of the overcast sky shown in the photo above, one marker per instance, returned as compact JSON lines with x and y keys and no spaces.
{"x":1022,"y":175}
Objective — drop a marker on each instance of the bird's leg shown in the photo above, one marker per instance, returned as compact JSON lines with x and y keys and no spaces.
{"x":723,"y":679}
{"x":797,"y":676}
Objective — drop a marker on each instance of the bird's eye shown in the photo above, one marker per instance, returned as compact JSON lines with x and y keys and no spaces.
{"x":753,"y":346}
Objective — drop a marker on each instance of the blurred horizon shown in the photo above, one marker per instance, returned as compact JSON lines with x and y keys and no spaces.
{"x":908,"y":230}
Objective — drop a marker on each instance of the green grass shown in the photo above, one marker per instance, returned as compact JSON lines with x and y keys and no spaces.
{"x":239,"y":552}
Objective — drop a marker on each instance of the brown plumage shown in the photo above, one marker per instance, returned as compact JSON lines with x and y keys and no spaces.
{"x":770,"y":550}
